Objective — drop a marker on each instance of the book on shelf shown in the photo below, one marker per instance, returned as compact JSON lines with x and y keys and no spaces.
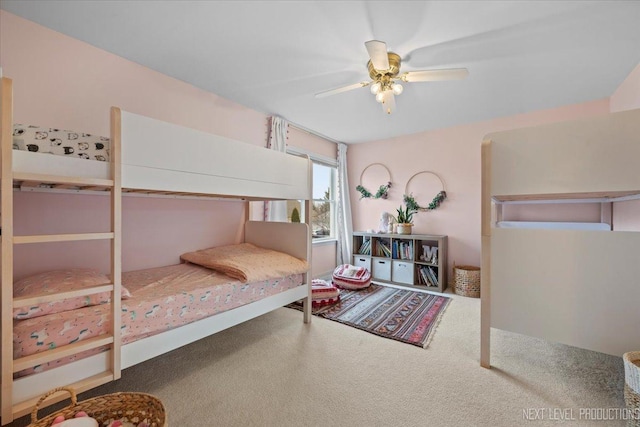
{"x":402,"y":250}
{"x":382,"y":249}
{"x":365,"y":248}
{"x":424,"y":277}
{"x":408,"y":251}
{"x":427,"y":276}
{"x":433,"y":276}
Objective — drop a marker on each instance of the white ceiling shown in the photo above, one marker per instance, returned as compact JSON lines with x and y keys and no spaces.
{"x":273,"y":56}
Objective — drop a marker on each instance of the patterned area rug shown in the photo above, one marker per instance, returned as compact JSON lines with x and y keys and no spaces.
{"x":398,"y":314}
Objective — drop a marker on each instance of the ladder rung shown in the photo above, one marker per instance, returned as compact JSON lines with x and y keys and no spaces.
{"x":43,"y":298}
{"x":25,"y":407}
{"x":60,"y":352}
{"x":55,"y":179}
{"x":61,"y":237}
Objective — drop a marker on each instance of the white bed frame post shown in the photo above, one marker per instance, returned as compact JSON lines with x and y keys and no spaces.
{"x":6,"y":222}
{"x":485,"y":274}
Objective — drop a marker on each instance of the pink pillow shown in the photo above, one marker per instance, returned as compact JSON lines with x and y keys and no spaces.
{"x":323,"y":293}
{"x":347,"y":276}
{"x":61,"y":281}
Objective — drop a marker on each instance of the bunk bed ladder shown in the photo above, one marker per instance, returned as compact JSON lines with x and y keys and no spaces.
{"x":9,"y":365}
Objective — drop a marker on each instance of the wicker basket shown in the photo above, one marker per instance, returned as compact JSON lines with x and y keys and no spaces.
{"x":632,"y":386}
{"x":467,"y":280}
{"x":132,"y":407}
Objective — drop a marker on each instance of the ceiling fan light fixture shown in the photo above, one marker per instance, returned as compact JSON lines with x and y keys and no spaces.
{"x":384,"y":71}
{"x":388,"y":101}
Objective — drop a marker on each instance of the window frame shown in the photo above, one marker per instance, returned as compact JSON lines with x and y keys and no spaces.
{"x":333,"y":190}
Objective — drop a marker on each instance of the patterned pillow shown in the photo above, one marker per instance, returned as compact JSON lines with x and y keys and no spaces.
{"x":246,"y":262}
{"x":61,"y":142}
{"x":323,"y":293}
{"x":351,"y":277}
{"x":61,"y":281}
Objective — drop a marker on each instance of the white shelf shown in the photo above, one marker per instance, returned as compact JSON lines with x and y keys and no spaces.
{"x":402,"y":260}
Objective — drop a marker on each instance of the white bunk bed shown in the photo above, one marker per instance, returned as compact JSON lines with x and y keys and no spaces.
{"x":206,"y":165}
{"x":572,"y":283}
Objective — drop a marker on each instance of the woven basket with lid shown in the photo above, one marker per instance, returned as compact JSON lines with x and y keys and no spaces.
{"x":125,"y":406}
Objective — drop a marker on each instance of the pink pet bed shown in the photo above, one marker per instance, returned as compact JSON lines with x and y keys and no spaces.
{"x":348,"y":276}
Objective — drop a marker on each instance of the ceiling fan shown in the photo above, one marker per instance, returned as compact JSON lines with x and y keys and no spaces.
{"x":384,"y":70}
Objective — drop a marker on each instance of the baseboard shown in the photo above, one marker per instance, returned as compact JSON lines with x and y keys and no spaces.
{"x":327,"y":275}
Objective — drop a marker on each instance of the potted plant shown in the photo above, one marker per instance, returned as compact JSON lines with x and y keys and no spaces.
{"x":404,"y":217}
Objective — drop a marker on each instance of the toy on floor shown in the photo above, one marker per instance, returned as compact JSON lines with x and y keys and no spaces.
{"x":81,"y":419}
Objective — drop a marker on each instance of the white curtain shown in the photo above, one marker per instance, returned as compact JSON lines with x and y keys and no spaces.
{"x":344,"y":223}
{"x":277,"y":210}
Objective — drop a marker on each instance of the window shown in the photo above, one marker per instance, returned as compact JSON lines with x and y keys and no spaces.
{"x":323,"y":204}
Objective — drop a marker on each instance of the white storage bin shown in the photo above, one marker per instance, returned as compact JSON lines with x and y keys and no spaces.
{"x":362,"y":261}
{"x":381,"y":269}
{"x":402,"y":272}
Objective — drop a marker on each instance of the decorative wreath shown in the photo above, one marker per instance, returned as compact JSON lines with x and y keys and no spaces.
{"x":411,"y":203}
{"x":383,"y":190}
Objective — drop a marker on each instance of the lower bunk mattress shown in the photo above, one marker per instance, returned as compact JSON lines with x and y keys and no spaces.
{"x":161,"y":299}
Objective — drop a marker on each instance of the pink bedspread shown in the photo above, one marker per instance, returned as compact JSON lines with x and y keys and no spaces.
{"x":162,"y":298}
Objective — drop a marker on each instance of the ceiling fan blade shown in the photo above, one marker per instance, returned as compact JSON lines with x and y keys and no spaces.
{"x":341,"y":89}
{"x":434,"y":75}
{"x":378,"y":54}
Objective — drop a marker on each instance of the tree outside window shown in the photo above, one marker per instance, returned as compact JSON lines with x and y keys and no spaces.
{"x":323,"y":203}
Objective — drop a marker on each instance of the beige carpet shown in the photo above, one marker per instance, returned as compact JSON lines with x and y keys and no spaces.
{"x":277,"y":371}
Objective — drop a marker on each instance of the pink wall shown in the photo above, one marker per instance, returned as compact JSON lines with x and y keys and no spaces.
{"x":627,"y":96}
{"x":67,"y":83}
{"x":625,"y":215}
{"x":62,"y":82}
{"x":452,"y":153}
{"x":579,"y":212}
{"x":155,"y":231}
